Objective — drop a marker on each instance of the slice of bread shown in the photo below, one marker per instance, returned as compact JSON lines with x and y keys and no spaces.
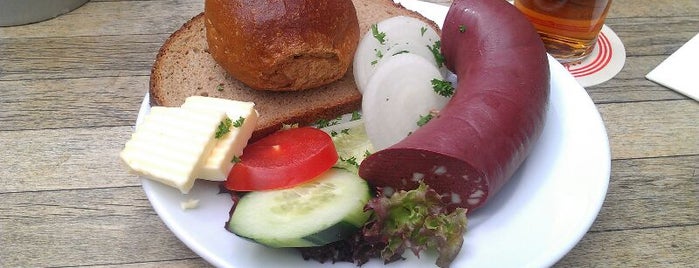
{"x":184,"y":67}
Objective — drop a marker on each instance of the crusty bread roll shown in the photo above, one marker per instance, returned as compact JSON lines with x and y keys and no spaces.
{"x":282,"y":45}
{"x":184,"y":67}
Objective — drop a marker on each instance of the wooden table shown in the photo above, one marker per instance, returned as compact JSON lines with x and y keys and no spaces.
{"x":70,"y":90}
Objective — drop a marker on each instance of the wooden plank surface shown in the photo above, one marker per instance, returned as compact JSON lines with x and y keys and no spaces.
{"x":70,"y":89}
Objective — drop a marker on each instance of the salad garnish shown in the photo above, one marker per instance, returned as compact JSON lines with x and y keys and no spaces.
{"x":223,"y":128}
{"x":415,"y":220}
{"x":442,"y":87}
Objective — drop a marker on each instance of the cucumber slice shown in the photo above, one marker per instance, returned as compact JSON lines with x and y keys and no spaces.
{"x":351,"y":142}
{"x":327,"y":209}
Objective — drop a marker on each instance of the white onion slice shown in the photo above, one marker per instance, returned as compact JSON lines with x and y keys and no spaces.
{"x":402,"y":35}
{"x":397,"y":95}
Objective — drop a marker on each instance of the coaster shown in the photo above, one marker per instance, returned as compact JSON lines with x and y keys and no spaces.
{"x":605,"y":61}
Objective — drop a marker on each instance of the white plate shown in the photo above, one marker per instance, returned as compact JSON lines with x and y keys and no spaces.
{"x":540,"y":215}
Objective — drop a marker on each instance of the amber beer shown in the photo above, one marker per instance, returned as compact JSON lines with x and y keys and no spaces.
{"x":569,"y":28}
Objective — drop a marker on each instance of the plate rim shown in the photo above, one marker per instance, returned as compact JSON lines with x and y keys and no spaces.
{"x":542,"y":261}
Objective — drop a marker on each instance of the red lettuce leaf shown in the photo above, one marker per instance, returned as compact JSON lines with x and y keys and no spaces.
{"x":415,"y":220}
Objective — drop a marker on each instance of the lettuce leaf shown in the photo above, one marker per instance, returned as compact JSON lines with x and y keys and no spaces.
{"x":415,"y":220}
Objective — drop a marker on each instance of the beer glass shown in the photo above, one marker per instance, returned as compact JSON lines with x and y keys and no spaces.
{"x":568,"y":28}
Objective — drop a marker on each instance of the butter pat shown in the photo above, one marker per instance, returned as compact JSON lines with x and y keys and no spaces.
{"x":171,"y":144}
{"x":219,"y":163}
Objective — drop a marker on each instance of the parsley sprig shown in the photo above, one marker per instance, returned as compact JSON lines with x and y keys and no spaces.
{"x":442,"y":87}
{"x":436,"y":52}
{"x":323,"y":123}
{"x":380,"y":36}
{"x":356,"y":116}
{"x":239,"y":123}
{"x":424,"y":119}
{"x":223,"y":128}
{"x":352,"y":161}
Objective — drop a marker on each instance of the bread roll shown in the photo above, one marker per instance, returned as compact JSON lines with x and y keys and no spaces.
{"x":184,"y":67}
{"x":282,"y":45}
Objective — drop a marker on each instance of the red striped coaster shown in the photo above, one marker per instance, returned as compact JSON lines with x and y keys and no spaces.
{"x":605,"y":61}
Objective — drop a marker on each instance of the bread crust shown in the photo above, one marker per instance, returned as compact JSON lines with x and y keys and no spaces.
{"x":282,"y":44}
{"x":183,"y":67}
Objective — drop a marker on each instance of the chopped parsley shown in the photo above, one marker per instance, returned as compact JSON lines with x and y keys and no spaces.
{"x":223,"y":128}
{"x":219,"y":87}
{"x":379,"y":55}
{"x":423,"y":29}
{"x":239,"y":122}
{"x":334,"y":133}
{"x":356,"y":116}
{"x":424,"y":119}
{"x":442,"y":87}
{"x":400,"y":52}
{"x":462,"y":28}
{"x":436,"y":52}
{"x":235,"y":159}
{"x":323,"y":123}
{"x":352,"y":161}
{"x":380,"y":36}
{"x":367,"y":153}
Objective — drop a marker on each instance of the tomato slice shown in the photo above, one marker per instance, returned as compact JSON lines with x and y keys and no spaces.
{"x":282,"y":160}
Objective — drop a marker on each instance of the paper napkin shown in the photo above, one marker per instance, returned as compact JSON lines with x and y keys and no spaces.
{"x":679,"y":71}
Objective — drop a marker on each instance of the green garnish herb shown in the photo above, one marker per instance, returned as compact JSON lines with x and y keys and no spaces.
{"x":333,"y":133}
{"x":367,"y":153}
{"x":436,"y":52}
{"x":223,"y":128}
{"x":422,"y":31}
{"x":400,"y":52}
{"x":352,"y":161}
{"x":323,"y":123}
{"x":380,"y":36}
{"x":462,"y":28}
{"x":345,"y":131}
{"x":219,"y":87}
{"x":235,"y":159}
{"x":442,"y":87}
{"x":239,"y":122}
{"x":416,"y":221}
{"x":356,"y":116}
{"x":379,"y":54}
{"x":424,"y":119}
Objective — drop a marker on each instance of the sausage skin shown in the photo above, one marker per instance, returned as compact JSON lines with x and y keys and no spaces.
{"x":480,"y":138}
